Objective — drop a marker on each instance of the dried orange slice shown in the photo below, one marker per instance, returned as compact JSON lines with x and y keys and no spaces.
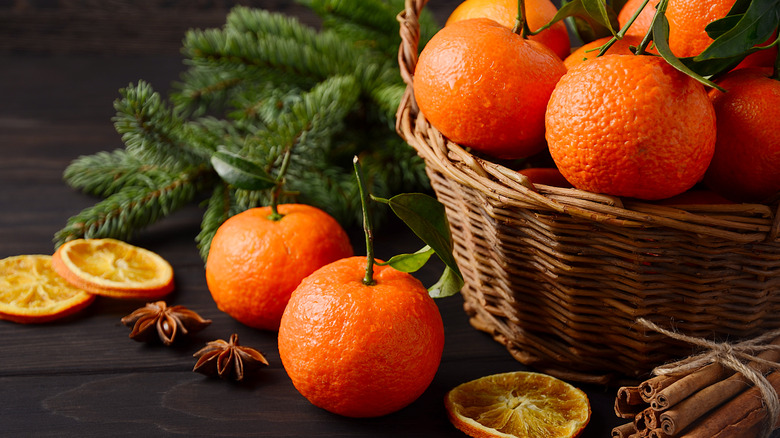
{"x":518,"y":404}
{"x":113,"y":268}
{"x":31,"y":292}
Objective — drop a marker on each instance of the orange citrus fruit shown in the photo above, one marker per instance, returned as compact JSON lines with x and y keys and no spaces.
{"x":687,"y":36}
{"x":746,"y":164}
{"x":504,"y":12}
{"x":628,"y":125}
{"x":113,"y":268}
{"x":641,"y":24}
{"x":485,"y":87}
{"x":548,"y":176}
{"x":31,"y":292}
{"x":255,"y":262}
{"x":361,"y":350}
{"x":518,"y":404}
{"x":687,"y":20}
{"x":591,"y":50}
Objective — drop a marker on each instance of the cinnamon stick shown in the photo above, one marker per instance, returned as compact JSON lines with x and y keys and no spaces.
{"x":678,"y":417}
{"x":681,"y":389}
{"x":685,"y":413}
{"x":658,"y":433}
{"x":740,"y":417}
{"x":624,"y":430}
{"x":628,"y":402}
{"x":649,"y":388}
{"x":650,"y":418}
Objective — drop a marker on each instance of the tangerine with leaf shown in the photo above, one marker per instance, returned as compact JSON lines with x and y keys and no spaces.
{"x":361,"y":338}
{"x":688,"y":20}
{"x":259,"y":256}
{"x":630,"y":125}
{"x":486,"y":87}
{"x":537,"y":13}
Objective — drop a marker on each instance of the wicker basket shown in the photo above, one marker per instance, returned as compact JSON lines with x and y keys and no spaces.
{"x":560,"y":276}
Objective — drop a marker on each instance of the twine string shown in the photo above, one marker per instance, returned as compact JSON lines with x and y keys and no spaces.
{"x":734,"y":356}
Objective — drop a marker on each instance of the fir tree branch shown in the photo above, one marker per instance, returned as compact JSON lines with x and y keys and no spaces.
{"x":150,"y":129}
{"x":220,"y":206}
{"x":270,"y":84}
{"x":370,"y":23}
{"x":134,"y":207}
{"x":365,"y":23}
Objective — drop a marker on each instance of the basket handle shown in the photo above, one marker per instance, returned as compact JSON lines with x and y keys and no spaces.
{"x":409,"y":19}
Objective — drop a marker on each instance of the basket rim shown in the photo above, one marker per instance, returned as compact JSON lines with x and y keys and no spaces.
{"x":742,"y":223}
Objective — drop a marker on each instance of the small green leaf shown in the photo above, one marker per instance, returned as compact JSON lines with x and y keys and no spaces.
{"x":755,"y":27}
{"x":449,"y":284}
{"x":711,"y":67}
{"x":240,"y":172}
{"x":426,"y":217}
{"x":591,"y":18}
{"x":720,"y":26}
{"x":597,"y":9}
{"x":410,"y":262}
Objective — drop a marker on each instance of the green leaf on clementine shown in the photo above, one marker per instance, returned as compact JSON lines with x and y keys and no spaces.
{"x":240,"y":172}
{"x":410,"y":262}
{"x":754,"y":27}
{"x":426,"y":217}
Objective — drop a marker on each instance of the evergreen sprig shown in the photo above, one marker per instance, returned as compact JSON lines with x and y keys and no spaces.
{"x":262,"y":84}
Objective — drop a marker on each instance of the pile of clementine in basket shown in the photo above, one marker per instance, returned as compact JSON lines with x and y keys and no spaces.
{"x":40,"y":288}
{"x":626,"y":123}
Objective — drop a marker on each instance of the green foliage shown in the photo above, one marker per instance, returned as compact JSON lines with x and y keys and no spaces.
{"x":261,"y":85}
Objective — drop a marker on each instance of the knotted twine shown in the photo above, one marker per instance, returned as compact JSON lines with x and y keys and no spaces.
{"x":733,"y":356}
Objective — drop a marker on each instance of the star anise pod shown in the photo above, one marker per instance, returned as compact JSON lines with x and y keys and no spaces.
{"x":157,"y":320}
{"x":228,"y":360}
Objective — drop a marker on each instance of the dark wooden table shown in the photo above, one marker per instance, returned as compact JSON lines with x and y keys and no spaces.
{"x":82,"y":376}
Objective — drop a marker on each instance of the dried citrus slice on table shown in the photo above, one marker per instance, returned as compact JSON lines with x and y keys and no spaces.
{"x":31,"y":292}
{"x":518,"y":404}
{"x":113,"y":268}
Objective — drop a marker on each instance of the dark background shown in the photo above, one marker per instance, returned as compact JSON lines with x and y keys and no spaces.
{"x":128,"y":27}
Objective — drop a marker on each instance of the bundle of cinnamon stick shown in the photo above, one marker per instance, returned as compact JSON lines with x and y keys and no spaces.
{"x":719,"y":396}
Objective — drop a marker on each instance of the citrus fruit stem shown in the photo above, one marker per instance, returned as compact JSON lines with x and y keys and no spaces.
{"x":660,"y":9}
{"x":622,"y":32}
{"x":368,"y":280}
{"x":278,"y":187}
{"x":521,"y":24}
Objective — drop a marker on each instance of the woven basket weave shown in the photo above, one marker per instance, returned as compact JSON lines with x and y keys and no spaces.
{"x":559,"y":276}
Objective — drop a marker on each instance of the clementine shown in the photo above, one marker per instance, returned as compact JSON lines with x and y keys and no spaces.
{"x":485,"y":87}
{"x":537,"y":13}
{"x":361,"y":350}
{"x":255,"y":262}
{"x":687,"y":20}
{"x":591,"y":50}
{"x":629,"y":125}
{"x":746,"y":164}
{"x":641,"y":24}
